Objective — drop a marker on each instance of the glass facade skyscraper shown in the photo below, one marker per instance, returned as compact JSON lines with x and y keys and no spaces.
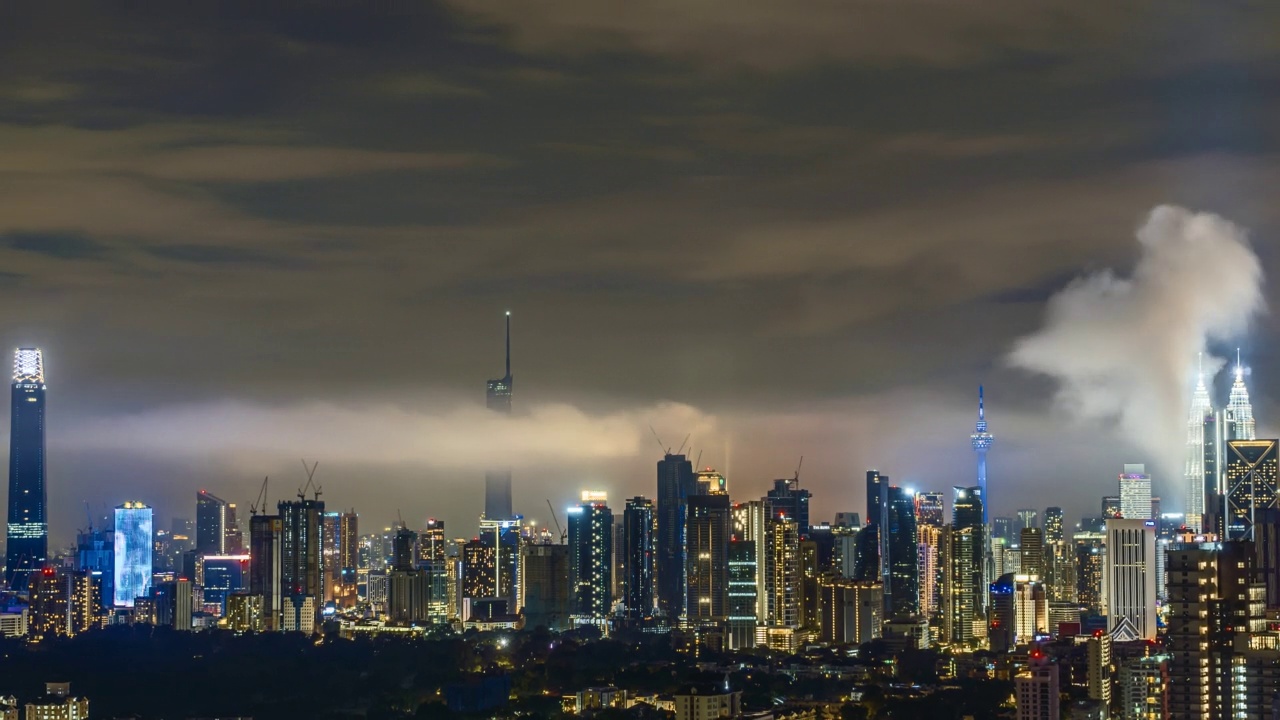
{"x":902,"y":594}
{"x":27,"y":536}
{"x":211,"y":524}
{"x":133,"y":547}
{"x":676,"y":482}
{"x":638,"y":556}
{"x":590,"y":554}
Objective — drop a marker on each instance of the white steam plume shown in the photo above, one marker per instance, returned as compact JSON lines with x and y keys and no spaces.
{"x":1122,"y":349}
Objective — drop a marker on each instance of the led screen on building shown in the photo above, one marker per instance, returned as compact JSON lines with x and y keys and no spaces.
{"x":133,"y":553}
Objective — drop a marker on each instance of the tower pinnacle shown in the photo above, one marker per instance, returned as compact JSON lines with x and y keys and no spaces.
{"x":981,"y":441}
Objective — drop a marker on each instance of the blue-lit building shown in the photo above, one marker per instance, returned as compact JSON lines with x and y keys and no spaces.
{"x":27,"y":533}
{"x":222,"y":576}
{"x":133,"y":546}
{"x":95,"y":551}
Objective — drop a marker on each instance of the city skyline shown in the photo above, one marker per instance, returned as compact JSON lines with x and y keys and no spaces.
{"x":302,"y":248}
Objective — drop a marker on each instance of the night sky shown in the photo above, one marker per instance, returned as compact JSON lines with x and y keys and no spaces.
{"x":249,"y":233}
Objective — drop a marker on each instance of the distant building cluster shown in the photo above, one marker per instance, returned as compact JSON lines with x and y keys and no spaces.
{"x":1176,"y":614}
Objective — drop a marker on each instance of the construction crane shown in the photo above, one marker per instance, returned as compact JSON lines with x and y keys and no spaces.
{"x":311,"y":473}
{"x":559,"y":529}
{"x":260,"y":504}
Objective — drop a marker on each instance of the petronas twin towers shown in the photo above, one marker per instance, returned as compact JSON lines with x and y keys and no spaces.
{"x":1207,"y":432}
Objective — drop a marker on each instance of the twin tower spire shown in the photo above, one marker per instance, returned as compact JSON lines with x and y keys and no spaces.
{"x":1201,"y":462}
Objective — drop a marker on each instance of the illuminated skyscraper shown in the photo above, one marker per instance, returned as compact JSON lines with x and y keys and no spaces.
{"x":1201,"y":406}
{"x":266,"y":568}
{"x":711,"y":482}
{"x":708,"y":566}
{"x":590,"y":557}
{"x":1239,"y":407}
{"x":1053,"y":531}
{"x":639,"y":556}
{"x":301,"y":567}
{"x":676,"y":482}
{"x":782,"y":572}
{"x":211,"y":524}
{"x":929,"y":509}
{"x":981,"y":441}
{"x":1135,"y":492}
{"x":133,"y":546}
{"x":902,"y":594}
{"x":965,"y":593}
{"x":1251,"y":477}
{"x":1130,"y":572}
{"x":497,"y":483}
{"x":789,"y":499}
{"x":27,"y":537}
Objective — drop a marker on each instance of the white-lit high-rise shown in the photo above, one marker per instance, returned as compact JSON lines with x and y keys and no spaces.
{"x":1240,"y":409}
{"x":1130,"y":577}
{"x":1135,"y":492}
{"x":1201,"y":406}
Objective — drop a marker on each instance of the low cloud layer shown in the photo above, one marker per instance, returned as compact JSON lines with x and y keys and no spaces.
{"x":1122,"y":349}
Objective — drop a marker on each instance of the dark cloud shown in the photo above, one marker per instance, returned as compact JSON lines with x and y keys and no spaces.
{"x":64,"y":246}
{"x":816,"y":225}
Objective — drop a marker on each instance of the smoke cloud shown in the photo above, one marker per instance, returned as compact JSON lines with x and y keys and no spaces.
{"x":1122,"y":350}
{"x":457,"y":437}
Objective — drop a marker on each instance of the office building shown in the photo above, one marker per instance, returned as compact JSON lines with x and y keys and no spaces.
{"x":743,"y":597}
{"x":497,"y":482}
{"x":1002,"y":529}
{"x":1130,"y":571}
{"x":1100,"y":678}
{"x":1144,"y":688}
{"x":211,"y":524}
{"x":301,"y":566}
{"x":788,"y":499}
{"x":27,"y":534}
{"x":1219,"y":646}
{"x":1135,"y":492}
{"x":639,"y":556}
{"x":266,"y":568}
{"x":95,"y":554}
{"x":1036,"y":689}
{"x":545,"y":586}
{"x":409,"y":596}
{"x":902,"y":595}
{"x":965,"y":566}
{"x":1091,"y":557}
{"x":1053,"y":525}
{"x":48,"y":610}
{"x":1111,"y":507}
{"x":852,"y":611}
{"x":676,"y":483}
{"x":708,"y":529}
{"x":219,"y":577}
{"x":132,"y":553}
{"x":711,"y":482}
{"x":981,"y":441}
{"x":1031,"y":552}
{"x":433,"y":558}
{"x":590,"y":556}
{"x":782,"y":573}
{"x":929,"y":510}
{"x":877,"y":518}
{"x":1252,"y":470}
{"x":929,"y":565}
{"x":1002,"y":632}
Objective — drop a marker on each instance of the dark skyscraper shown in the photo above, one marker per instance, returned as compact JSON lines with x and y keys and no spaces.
{"x":878,"y":515}
{"x":787,"y":498}
{"x":301,"y":566}
{"x":266,"y":533}
{"x":1252,"y":472}
{"x":27,"y":545}
{"x":709,"y":527}
{"x":211,"y":524}
{"x":639,"y":558}
{"x":676,"y":482}
{"x":497,"y":483}
{"x":967,"y":512}
{"x":590,"y":554}
{"x":902,"y":593}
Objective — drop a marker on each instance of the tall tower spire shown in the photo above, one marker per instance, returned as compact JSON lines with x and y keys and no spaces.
{"x":981,"y":441}
{"x":1239,"y":407}
{"x":1201,"y":406}
{"x":497,"y":481}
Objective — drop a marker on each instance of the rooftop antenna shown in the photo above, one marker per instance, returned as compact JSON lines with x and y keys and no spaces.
{"x":261,"y":502}
{"x":508,"y":345}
